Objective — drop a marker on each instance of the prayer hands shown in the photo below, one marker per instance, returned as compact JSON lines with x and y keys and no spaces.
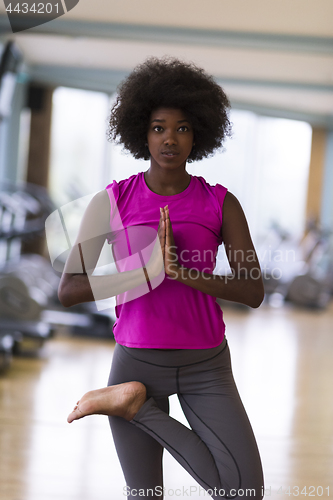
{"x":166,"y":243}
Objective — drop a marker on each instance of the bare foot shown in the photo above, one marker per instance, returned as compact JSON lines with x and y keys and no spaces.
{"x":122,"y":400}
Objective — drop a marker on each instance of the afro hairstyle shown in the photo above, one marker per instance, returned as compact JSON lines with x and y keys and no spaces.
{"x":169,"y":83}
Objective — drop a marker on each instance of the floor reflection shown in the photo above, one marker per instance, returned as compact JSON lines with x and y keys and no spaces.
{"x":282,"y":362}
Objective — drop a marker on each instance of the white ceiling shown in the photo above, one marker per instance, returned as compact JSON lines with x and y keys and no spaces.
{"x":292,"y":76}
{"x":222,"y":62}
{"x":294,"y":17}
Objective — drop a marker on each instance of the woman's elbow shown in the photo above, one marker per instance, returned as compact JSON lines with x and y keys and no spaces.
{"x":257,"y":295}
{"x":256,"y":303}
{"x":65,"y":299}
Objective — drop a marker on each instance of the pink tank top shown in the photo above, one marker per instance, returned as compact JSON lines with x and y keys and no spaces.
{"x":167,"y":314}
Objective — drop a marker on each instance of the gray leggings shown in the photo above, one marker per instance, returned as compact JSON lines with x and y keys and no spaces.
{"x":219,"y":451}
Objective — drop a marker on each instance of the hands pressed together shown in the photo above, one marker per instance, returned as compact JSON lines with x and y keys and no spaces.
{"x":166,"y":243}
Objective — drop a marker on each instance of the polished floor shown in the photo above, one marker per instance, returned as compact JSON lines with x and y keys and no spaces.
{"x":283,"y":366}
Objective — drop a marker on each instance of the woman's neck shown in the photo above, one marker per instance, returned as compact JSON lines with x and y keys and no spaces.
{"x":167,"y":183}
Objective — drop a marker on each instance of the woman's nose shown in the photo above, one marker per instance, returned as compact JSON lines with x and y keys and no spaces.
{"x":170,"y":139}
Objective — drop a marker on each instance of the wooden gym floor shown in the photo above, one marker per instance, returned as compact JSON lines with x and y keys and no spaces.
{"x":283,"y":366}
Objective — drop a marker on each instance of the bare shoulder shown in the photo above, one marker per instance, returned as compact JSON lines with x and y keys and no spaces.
{"x":231,"y":206}
{"x":96,"y":218}
{"x":230,"y":201}
{"x":101,"y":200}
{"x":233,"y":218}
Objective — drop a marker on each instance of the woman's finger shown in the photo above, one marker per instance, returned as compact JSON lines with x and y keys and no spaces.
{"x":168,"y":229}
{"x":156,"y":261}
{"x":161,"y":226}
{"x":161,"y":231}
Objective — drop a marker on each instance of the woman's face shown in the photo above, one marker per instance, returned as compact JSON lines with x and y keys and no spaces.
{"x":170,"y":138}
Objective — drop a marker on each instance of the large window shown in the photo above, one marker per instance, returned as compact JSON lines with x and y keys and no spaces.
{"x":79,"y":156}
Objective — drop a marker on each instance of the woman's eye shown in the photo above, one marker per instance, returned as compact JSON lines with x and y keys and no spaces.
{"x":158,"y":128}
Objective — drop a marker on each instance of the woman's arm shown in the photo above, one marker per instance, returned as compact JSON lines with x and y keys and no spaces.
{"x":245,"y":284}
{"x":77,"y":284}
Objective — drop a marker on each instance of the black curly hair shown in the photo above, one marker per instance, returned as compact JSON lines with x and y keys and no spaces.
{"x":170,"y":83}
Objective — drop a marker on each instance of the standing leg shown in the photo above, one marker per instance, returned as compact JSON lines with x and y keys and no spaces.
{"x":139,"y":454}
{"x":220,"y":451}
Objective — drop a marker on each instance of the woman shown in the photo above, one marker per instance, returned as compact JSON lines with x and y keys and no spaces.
{"x":170,"y":332}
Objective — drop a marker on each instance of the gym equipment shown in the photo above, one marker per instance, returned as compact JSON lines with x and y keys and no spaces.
{"x":38,"y":276}
{"x":276,"y":270}
{"x":302,"y":279}
{"x":29,"y":307}
{"x":6,"y":350}
{"x":23,"y":210}
{"x":312,"y":287}
{"x":26,"y":338}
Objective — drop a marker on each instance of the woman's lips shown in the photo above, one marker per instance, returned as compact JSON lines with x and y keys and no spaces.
{"x":169,"y":154}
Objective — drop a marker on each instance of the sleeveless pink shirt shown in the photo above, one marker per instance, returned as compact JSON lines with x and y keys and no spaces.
{"x":168,"y":314}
